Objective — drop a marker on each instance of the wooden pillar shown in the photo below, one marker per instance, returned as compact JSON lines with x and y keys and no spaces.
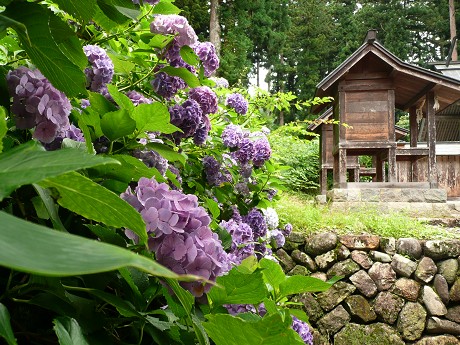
{"x":413,"y":126}
{"x":323,"y":180}
{"x":431,"y":140}
{"x":379,"y":169}
{"x":340,"y":168}
{"x":392,"y":173}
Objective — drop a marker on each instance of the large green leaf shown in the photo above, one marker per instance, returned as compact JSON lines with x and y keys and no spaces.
{"x":167,"y":152}
{"x":6,"y":332}
{"x":153,"y":117}
{"x":80,"y":9}
{"x":87,"y":198}
{"x":69,"y":331}
{"x":40,"y":46}
{"x":33,"y":248}
{"x":121,"y":99}
{"x":30,"y":163}
{"x":117,"y":124}
{"x":298,"y":284}
{"x":238,"y":288}
{"x":50,"y":206}
{"x":166,"y":8}
{"x":230,"y":330}
{"x":183,"y":73}
{"x":273,"y":273}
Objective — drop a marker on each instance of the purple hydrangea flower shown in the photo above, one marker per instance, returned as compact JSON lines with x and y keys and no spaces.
{"x":242,"y":240}
{"x":138,"y":98}
{"x":73,"y":133}
{"x":235,"y":309}
{"x":277,"y":238}
{"x":173,"y":24}
{"x":262,"y":152}
{"x":287,"y":229}
{"x":215,"y":174}
{"x":303,"y":330}
{"x":271,"y":217}
{"x":237,"y":102}
{"x":256,"y":221}
{"x":151,"y":2}
{"x":101,"y":71}
{"x":36,"y":103}
{"x":84,"y":103}
{"x":208,"y":56}
{"x":242,"y":188}
{"x":232,"y":136}
{"x":206,"y":98}
{"x":152,"y":159}
{"x":187,"y":117}
{"x":220,"y":82}
{"x":245,"y":170}
{"x":179,"y":232}
{"x":167,"y":86}
{"x":245,"y":151}
{"x":202,"y":131}
{"x":172,"y":55}
{"x":271,"y":192}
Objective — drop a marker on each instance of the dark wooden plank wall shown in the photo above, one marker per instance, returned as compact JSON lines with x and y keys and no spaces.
{"x":448,"y":173}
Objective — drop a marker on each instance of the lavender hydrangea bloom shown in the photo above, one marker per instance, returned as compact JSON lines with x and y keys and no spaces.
{"x":245,"y":151}
{"x":215,"y":174}
{"x":262,"y":152}
{"x":36,"y":103}
{"x":242,"y":188}
{"x":287,"y":229}
{"x":187,"y":117}
{"x":167,"y":86}
{"x":208,"y":56}
{"x":235,"y":309}
{"x":206,"y":98}
{"x":271,"y":192}
{"x":245,"y":170}
{"x":173,"y":24}
{"x":277,"y":238}
{"x":220,"y":82}
{"x":201,"y":134}
{"x":172,"y":55}
{"x":151,"y":2}
{"x":179,"y":232}
{"x":256,"y":221}
{"x":152,"y":159}
{"x":101,"y":71}
{"x":232,"y":136}
{"x":138,"y":98}
{"x":242,"y":240}
{"x":303,"y":330}
{"x":238,"y":102}
{"x":73,"y":133}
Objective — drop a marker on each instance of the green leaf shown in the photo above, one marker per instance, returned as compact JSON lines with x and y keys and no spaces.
{"x":189,"y":78}
{"x":30,"y":163}
{"x":107,"y":235}
{"x":230,"y":330}
{"x":51,"y":207}
{"x":121,"y":99}
{"x":3,"y":126}
{"x":189,"y":55}
{"x":200,"y":332}
{"x":124,"y":308}
{"x":153,"y":117}
{"x":80,"y":9}
{"x":213,"y":207}
{"x":39,"y":250}
{"x":100,"y":104}
{"x":69,"y":331}
{"x":85,"y":197}
{"x":111,"y":12}
{"x":68,"y":42}
{"x":166,"y":8}
{"x":6,"y":332}
{"x":117,"y":124}
{"x":272,"y":272}
{"x":185,"y":298}
{"x":40,"y":46}
{"x":121,"y":66}
{"x":238,"y":288}
{"x":298,"y":284}
{"x":167,"y":152}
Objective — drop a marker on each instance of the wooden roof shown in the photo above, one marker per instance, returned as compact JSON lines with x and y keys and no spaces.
{"x":411,"y":83}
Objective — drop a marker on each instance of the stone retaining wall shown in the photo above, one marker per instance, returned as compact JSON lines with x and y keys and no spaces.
{"x":394,"y":291}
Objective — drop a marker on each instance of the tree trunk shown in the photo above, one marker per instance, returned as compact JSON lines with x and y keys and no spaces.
{"x":214,"y":25}
{"x":453,"y":28}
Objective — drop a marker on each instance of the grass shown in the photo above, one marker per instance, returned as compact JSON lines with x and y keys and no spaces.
{"x":305,"y":216}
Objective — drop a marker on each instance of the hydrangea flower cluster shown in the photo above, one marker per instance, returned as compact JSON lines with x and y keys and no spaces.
{"x":189,"y":118}
{"x":237,"y":102}
{"x":271,"y":218}
{"x":101,"y":71}
{"x":152,"y":159}
{"x":215,"y":173}
{"x":173,"y":24}
{"x":138,"y":98}
{"x":151,"y":2}
{"x":179,"y":231}
{"x":257,"y":222}
{"x":208,"y":56}
{"x":172,"y":55}
{"x":166,"y":85}
{"x":303,"y":330}
{"x":206,"y":98}
{"x":242,"y":240}
{"x":36,"y":103}
{"x":73,"y":133}
{"x":253,"y":147}
{"x":220,"y":82}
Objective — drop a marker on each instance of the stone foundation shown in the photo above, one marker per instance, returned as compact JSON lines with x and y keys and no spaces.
{"x":394,"y":291}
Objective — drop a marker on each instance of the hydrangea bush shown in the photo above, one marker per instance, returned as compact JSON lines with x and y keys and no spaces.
{"x":137,"y":189}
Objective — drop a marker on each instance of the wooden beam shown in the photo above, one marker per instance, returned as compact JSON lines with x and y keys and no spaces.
{"x":419,"y":95}
{"x":413,"y":126}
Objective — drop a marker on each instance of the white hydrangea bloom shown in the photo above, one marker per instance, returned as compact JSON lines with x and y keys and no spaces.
{"x":271,"y":217}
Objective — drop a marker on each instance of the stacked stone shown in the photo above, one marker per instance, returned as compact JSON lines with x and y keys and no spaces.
{"x":393,"y":291}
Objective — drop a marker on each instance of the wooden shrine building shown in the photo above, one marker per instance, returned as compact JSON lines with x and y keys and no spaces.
{"x":368,"y":88}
